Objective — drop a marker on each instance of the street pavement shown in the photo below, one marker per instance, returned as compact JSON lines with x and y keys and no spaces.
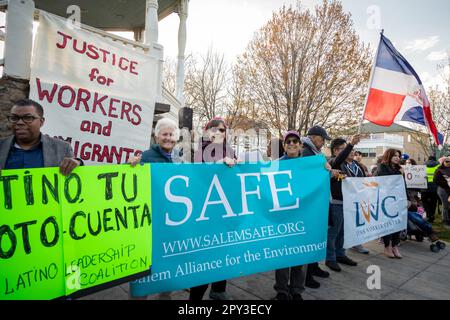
{"x":420,"y":275}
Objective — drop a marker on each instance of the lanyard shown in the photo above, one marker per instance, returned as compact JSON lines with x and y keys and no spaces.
{"x":355,"y":174}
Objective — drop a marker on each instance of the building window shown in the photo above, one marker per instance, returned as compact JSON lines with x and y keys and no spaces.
{"x":367,"y":153}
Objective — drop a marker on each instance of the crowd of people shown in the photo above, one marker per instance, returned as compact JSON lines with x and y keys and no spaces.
{"x":28,"y":148}
{"x":291,"y":282}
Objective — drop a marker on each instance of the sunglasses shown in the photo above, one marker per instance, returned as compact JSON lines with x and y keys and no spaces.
{"x":293,"y":141}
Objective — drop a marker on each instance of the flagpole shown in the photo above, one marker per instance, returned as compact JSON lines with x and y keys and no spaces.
{"x":372,"y":73}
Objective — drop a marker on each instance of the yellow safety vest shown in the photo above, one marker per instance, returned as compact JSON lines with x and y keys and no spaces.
{"x":430,"y":173}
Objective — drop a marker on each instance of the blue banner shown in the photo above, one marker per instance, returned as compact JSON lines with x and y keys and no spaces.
{"x":212,"y":222}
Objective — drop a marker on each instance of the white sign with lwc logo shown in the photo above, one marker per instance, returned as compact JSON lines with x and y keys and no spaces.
{"x":373,"y":207}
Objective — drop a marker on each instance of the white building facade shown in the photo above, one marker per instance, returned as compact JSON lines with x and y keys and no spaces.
{"x":99,"y":16}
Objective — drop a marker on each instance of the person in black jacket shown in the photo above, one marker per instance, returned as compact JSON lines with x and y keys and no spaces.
{"x":390,"y":165}
{"x":342,"y":160}
{"x":358,"y":158}
{"x":442,"y":180}
{"x":429,"y":196}
{"x":312,"y":146}
{"x":313,"y":143}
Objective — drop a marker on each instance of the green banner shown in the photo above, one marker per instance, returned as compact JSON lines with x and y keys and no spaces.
{"x":63,"y":236}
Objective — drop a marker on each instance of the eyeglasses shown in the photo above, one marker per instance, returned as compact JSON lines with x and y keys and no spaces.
{"x":293,"y":141}
{"x":222,"y":130}
{"x":28,"y":118}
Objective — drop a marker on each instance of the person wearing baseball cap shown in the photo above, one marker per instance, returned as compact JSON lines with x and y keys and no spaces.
{"x":290,"y":282}
{"x":404,"y":158}
{"x":312,"y":145}
{"x":291,"y":133}
{"x":290,"y":149}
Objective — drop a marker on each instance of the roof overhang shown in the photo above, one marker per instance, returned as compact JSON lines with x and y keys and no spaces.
{"x":118,"y":15}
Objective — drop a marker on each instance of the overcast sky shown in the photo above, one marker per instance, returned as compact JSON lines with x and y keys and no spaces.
{"x":419,"y":29}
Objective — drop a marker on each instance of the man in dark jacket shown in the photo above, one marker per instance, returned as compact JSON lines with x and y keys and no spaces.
{"x":312,"y":145}
{"x":358,"y":158}
{"x":429,"y":196}
{"x":28,"y":147}
{"x":342,"y":160}
{"x":442,"y":180}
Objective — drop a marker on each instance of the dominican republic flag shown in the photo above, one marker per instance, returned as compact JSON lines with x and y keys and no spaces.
{"x":396,"y":92}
